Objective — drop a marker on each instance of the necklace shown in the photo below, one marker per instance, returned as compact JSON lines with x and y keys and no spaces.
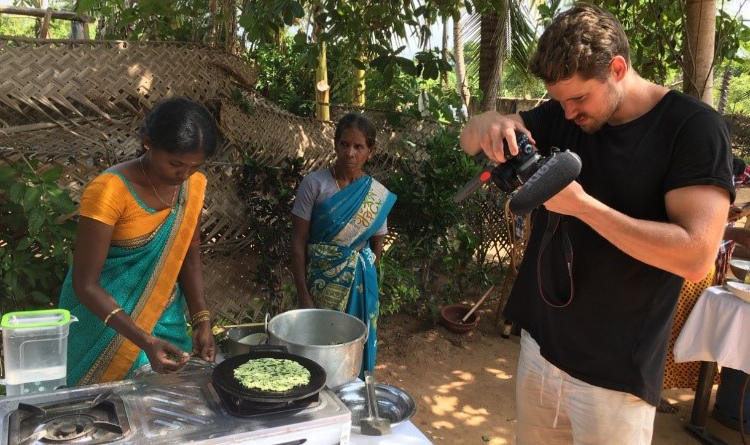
{"x":336,"y":181}
{"x":174,"y":195}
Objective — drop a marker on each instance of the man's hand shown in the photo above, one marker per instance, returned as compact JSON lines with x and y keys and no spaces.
{"x":487,"y":131}
{"x":568,"y":201}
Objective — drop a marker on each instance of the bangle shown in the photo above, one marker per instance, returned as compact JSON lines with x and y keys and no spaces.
{"x":114,"y":311}
{"x":199,"y":314}
{"x":196,"y":320}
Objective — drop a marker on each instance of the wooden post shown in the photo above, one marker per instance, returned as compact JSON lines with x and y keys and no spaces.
{"x":322,"y":106}
{"x":48,"y":14}
{"x":359,"y":82}
{"x":44,"y":30}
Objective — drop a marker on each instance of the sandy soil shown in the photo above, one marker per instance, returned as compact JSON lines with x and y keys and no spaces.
{"x":464,"y":384}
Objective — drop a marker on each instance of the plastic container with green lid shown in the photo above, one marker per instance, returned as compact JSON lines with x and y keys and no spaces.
{"x":35,"y":350}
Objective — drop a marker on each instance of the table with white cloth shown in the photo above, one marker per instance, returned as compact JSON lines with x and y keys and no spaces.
{"x":403,"y":434}
{"x":716,"y":332}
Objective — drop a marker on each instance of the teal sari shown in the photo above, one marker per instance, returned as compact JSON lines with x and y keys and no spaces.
{"x":339,"y":276}
{"x":140,"y":273}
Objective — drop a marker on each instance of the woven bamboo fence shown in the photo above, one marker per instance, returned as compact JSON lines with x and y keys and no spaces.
{"x":79,"y":104}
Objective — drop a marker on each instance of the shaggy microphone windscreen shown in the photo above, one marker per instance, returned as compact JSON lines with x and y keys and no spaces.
{"x":555,"y":174}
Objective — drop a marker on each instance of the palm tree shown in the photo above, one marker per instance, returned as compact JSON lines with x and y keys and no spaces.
{"x":495,"y":28}
{"x":462,"y":83}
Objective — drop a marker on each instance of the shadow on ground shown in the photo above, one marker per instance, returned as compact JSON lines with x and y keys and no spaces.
{"x":464,"y":384}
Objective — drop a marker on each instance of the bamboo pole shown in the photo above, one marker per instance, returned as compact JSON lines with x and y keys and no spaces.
{"x":322,"y":108}
{"x":44,"y":29}
{"x":38,"y":12}
{"x":359,"y":82}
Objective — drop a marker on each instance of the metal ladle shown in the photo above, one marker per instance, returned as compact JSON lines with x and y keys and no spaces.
{"x":373,"y":424}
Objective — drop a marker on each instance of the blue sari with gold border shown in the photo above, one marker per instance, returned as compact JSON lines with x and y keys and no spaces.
{"x":340,"y":276}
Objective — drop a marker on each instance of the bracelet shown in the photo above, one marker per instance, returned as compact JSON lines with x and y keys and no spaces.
{"x":196,"y":320}
{"x":114,"y":311}
{"x":199,"y":314}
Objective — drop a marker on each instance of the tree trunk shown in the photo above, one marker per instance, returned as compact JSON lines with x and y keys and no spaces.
{"x":214,"y":10}
{"x":462,"y":84}
{"x":444,"y":51}
{"x":492,"y":56}
{"x":726,"y":80}
{"x":359,"y":84}
{"x":230,"y":26}
{"x":487,"y":49}
{"x":698,"y":52}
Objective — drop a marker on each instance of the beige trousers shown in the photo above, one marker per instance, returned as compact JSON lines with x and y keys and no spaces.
{"x":555,"y":408}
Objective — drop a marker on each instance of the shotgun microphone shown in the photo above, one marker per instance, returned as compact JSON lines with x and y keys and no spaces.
{"x":557,"y":171}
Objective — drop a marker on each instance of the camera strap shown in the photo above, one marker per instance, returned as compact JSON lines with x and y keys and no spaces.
{"x":553,"y":221}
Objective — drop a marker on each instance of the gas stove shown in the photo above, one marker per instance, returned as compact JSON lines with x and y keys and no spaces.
{"x":167,"y":409}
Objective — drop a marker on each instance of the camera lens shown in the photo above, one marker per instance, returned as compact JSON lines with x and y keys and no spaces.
{"x":516,"y":169}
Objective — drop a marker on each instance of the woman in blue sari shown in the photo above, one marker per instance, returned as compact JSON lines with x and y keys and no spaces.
{"x":338,"y":226}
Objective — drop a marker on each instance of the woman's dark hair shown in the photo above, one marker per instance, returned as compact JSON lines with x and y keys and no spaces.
{"x":361,"y":123}
{"x":180,"y":125}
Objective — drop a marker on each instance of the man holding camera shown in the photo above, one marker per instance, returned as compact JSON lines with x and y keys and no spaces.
{"x":608,"y":254}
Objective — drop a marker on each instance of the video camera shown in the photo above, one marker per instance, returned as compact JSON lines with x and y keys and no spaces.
{"x":539,"y":178}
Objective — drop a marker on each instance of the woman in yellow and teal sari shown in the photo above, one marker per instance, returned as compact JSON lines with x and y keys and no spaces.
{"x":338,"y":225}
{"x":137,"y":260}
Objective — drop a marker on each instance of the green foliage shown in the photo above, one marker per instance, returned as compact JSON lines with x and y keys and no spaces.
{"x":398,"y":286}
{"x":269,"y":193}
{"x":21,"y":26}
{"x":437,"y":237}
{"x":180,"y":20}
{"x":400,"y":98}
{"x":286,"y":78}
{"x":738,"y":97}
{"x":656,"y":31}
{"x":36,"y":235}
{"x":263,"y":20}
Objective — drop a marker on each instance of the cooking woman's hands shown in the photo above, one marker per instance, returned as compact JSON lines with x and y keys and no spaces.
{"x":165,"y":357}
{"x":203,"y":342}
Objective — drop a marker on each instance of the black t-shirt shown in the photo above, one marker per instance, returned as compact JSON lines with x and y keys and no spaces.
{"x":615,"y":331}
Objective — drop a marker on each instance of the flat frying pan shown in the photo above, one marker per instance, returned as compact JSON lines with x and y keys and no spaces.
{"x":223,"y":378}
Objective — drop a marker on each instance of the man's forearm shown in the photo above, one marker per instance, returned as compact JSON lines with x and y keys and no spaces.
{"x":664,"y":245}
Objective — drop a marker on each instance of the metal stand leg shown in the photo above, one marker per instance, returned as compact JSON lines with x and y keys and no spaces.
{"x":697,"y":425}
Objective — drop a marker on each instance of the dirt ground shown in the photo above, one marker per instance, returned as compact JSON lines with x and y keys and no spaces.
{"x":464,"y":384}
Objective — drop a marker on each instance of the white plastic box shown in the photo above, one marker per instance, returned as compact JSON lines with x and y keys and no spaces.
{"x":35,"y":350}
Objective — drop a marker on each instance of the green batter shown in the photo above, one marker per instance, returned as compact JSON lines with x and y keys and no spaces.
{"x":272,"y":374}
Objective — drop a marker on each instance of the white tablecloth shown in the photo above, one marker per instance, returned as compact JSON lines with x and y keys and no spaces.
{"x":717,"y":330}
{"x":404,"y":434}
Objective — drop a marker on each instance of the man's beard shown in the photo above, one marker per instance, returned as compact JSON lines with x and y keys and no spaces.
{"x":614,"y":100}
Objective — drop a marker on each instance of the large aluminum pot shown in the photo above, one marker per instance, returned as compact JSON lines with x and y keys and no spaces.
{"x":333,"y":339}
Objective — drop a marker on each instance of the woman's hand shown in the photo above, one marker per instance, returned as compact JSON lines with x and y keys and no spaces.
{"x":165,"y":357}
{"x":203,"y":342}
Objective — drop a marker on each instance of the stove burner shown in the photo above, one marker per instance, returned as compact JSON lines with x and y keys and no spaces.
{"x":239,"y":407}
{"x":68,"y":427}
{"x":87,"y":420}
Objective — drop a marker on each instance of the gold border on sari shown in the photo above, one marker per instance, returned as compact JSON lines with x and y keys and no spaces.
{"x":365,"y":215}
